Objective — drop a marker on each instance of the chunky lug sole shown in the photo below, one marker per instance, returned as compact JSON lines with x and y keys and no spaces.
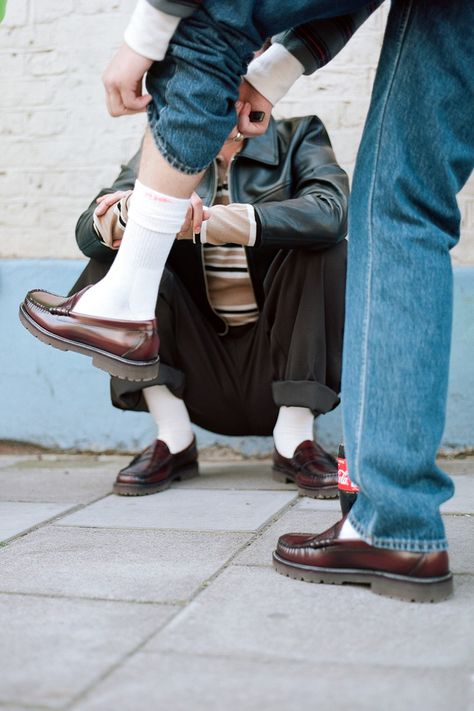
{"x":401,"y":587}
{"x":324,"y":492}
{"x":189,"y":471}
{"x":123,"y":368}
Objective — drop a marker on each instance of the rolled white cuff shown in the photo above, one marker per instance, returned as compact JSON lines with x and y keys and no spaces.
{"x":203,"y":234}
{"x":150,"y":30}
{"x":229,"y":224}
{"x":156,"y":211}
{"x":252,"y":226}
{"x":274,"y":72}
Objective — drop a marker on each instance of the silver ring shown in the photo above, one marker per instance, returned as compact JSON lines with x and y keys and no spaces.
{"x":238,"y":136}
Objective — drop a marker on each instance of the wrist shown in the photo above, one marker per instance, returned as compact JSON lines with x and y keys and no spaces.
{"x":230,"y":224}
{"x":274,"y":72}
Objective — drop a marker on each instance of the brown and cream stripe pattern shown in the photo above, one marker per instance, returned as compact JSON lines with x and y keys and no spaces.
{"x":228,"y":282}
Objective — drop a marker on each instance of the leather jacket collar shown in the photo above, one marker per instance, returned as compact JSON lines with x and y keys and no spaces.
{"x":263,"y":149}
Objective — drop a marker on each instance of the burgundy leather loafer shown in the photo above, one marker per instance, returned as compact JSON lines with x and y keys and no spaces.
{"x":126,"y":349}
{"x":324,"y":558}
{"x":155,"y":469}
{"x":312,"y":469}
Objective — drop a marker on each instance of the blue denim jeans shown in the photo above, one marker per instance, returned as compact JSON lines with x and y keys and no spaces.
{"x":416,"y":153}
{"x":195,"y":87}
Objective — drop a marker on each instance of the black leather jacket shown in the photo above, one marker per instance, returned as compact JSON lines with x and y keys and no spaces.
{"x":290,"y":176}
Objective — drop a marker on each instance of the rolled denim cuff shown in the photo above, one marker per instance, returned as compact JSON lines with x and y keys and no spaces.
{"x":415,"y":545}
{"x":305,"y":393}
{"x":167,"y":152}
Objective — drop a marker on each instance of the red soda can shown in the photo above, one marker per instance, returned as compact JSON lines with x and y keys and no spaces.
{"x":347,"y":490}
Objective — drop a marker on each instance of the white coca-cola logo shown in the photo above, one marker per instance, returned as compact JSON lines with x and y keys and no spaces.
{"x":343,"y":477}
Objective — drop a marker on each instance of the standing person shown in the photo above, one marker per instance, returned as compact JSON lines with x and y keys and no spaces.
{"x":251,"y":319}
{"x":416,"y":154}
{"x":194,"y":85}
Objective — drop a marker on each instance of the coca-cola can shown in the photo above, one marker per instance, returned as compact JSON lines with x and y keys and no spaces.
{"x":347,"y":489}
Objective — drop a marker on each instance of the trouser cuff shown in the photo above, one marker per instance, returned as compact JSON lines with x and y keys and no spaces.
{"x":305,"y":393}
{"x":128,"y":395}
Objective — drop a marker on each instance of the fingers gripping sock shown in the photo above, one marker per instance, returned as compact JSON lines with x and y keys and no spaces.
{"x":293,"y":426}
{"x":130,"y":288}
{"x":171,"y":417}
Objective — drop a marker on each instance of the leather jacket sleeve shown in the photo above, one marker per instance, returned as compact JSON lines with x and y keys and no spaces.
{"x":316,"y":215}
{"x":86,"y":237}
{"x":317,"y":42}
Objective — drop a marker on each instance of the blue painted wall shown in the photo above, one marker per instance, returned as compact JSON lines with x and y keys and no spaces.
{"x":58,"y":400}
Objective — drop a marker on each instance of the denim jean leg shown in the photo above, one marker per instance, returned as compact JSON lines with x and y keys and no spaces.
{"x":416,"y":153}
{"x":194,"y":89}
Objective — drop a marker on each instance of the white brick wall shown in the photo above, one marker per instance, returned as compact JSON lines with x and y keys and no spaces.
{"x":58,"y":146}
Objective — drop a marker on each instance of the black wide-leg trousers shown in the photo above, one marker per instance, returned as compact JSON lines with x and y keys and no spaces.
{"x":234,"y":384}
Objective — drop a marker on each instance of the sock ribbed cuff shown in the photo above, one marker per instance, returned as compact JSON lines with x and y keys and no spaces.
{"x":156,"y":211}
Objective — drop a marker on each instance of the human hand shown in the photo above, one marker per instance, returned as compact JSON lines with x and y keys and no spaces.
{"x":104,"y":202}
{"x":123,"y":82}
{"x":103,"y":221}
{"x":197,"y":213}
{"x":252,"y":100}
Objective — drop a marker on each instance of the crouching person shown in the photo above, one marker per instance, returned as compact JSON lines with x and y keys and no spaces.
{"x":250,"y":307}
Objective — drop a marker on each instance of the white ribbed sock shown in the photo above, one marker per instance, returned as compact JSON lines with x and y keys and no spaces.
{"x":348,"y":532}
{"x":171,"y":417}
{"x":293,"y":426}
{"x":130,"y":288}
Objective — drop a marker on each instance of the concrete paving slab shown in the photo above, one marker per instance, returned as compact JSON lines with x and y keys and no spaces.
{"x":145,"y":566}
{"x":460,"y":465}
{"x":304,"y":503}
{"x":180,"y":510}
{"x":64,"y":461}
{"x":16,"y":517}
{"x":260,"y":551}
{"x":256,"y":612}
{"x":463,"y":499}
{"x":460,"y":533}
{"x":53,"y":649}
{"x":55,"y":484}
{"x":10,"y":460}
{"x":210,"y":683}
{"x":241,"y":475}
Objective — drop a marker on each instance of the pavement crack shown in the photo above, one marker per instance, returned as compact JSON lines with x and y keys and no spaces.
{"x":51,"y":520}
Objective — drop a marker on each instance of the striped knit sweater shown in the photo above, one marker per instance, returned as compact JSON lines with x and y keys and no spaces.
{"x":229,"y":287}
